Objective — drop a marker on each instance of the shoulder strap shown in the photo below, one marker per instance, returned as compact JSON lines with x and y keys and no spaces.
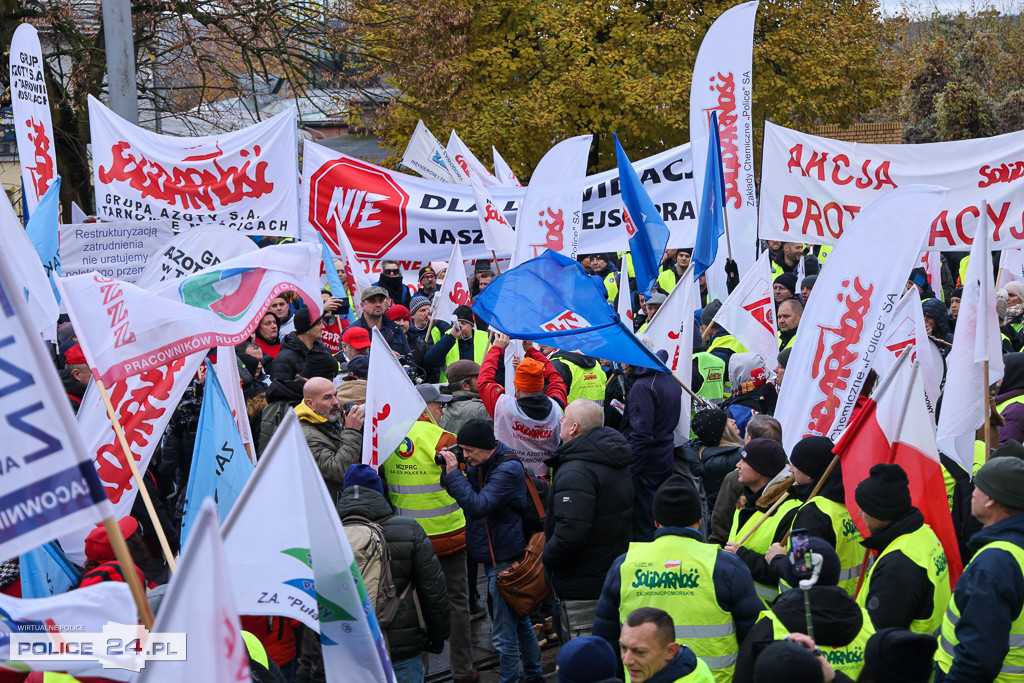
{"x":532,"y":488}
{"x":487,"y":528}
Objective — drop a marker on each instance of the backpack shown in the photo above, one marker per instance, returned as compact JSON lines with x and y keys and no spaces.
{"x":373,"y":557}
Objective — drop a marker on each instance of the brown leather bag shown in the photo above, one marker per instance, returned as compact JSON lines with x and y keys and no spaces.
{"x":523,"y":585}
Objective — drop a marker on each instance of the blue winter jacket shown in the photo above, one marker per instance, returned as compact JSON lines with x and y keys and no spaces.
{"x":734,"y":591}
{"x":652,"y":411}
{"x":989,"y":595}
{"x":502,"y":501}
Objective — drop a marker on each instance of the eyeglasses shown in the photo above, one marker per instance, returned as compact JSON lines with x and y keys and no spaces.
{"x":391,"y":271}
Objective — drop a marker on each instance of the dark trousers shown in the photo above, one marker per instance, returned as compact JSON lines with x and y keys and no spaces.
{"x":644,"y":488}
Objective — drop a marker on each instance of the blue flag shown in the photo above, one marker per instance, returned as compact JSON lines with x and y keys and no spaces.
{"x":648,"y":234}
{"x":711,"y":220}
{"x":46,"y":571}
{"x":220,"y":466}
{"x":551,"y":298}
{"x":44,"y":230}
{"x":334,"y":280}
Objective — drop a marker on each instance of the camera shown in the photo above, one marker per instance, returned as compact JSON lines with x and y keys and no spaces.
{"x":459,"y":455}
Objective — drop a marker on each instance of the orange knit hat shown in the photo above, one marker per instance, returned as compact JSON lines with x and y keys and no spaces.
{"x":530,"y":375}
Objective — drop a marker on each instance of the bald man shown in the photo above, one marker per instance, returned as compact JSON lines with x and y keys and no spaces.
{"x":334,"y":447}
{"x":589,"y":511}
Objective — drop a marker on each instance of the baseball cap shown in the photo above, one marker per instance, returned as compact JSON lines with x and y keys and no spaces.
{"x":373,"y":291}
{"x":358,"y":337}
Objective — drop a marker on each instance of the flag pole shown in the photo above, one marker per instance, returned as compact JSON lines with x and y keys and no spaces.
{"x":496,"y":268}
{"x":164,"y":545}
{"x":124,"y":558}
{"x":766,"y":515}
{"x":728,"y":239}
{"x":988,"y":413}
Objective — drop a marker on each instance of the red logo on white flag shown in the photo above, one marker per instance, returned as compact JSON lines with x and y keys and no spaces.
{"x":759,"y":305}
{"x":459,"y":296}
{"x":555,"y":224}
{"x":42,"y":172}
{"x":564,"y":321}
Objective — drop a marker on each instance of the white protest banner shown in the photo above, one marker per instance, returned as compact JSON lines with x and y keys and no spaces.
{"x":50,"y":485}
{"x":1011,"y":266}
{"x":28,"y":272}
{"x":244,"y":180}
{"x":138,"y":329}
{"x":392,"y":403}
{"x":625,"y":304}
{"x":722,"y":81}
{"x":191,"y":251}
{"x":498,"y":234}
{"x":417,"y":221}
{"x":550,"y":215}
{"x":120,"y":250}
{"x":671,"y":330}
{"x":813,"y":187}
{"x":905,"y":330}
{"x":454,"y":291}
{"x":428,"y":157}
{"x":289,"y":556}
{"x":468,"y":163}
{"x":502,"y":171}
{"x":749,"y":312}
{"x":200,"y":601}
{"x":143,"y":404}
{"x":840,"y":333}
{"x":231,"y":384}
{"x":30,"y":107}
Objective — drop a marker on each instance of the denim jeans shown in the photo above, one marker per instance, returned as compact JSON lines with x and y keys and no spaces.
{"x":409,"y":670}
{"x":512,"y":635}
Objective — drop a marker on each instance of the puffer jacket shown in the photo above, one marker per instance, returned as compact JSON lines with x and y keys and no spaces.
{"x":334,"y":448}
{"x":711,"y":465}
{"x":1012,"y":386}
{"x":589,"y":512}
{"x":502,"y":500}
{"x":412,"y":560}
{"x":464,"y":406}
{"x":652,"y":411}
{"x":289,"y":362}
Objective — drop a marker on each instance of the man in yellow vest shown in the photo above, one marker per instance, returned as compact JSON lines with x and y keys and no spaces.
{"x":824,"y":516}
{"x":790,"y":312}
{"x":908,"y":585}
{"x":650,"y":655}
{"x":668,"y":278}
{"x":841,"y":626}
{"x":462,"y":342}
{"x":707,"y":592}
{"x":761,"y":460}
{"x":411,"y":480}
{"x":583,"y":375}
{"x":982,"y":635}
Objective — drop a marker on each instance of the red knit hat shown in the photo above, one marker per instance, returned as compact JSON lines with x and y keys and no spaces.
{"x":97,"y":543}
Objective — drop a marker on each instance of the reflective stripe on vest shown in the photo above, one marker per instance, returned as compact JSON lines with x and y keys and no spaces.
{"x":848,"y":541}
{"x":849,"y":659}
{"x":586,"y":382}
{"x":762,"y":539}
{"x":256,"y":649}
{"x":479,"y":351}
{"x":1013,"y":663}
{"x":414,"y":482}
{"x":922,"y":548}
{"x":712,"y":370}
{"x":674,"y":573}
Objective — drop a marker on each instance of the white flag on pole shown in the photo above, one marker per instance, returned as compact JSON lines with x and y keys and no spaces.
{"x":30,"y":107}
{"x":905,"y":330}
{"x":840,"y":333}
{"x":200,"y":601}
{"x":428,"y":157}
{"x":550,"y":215}
{"x":975,"y":341}
{"x":502,"y":171}
{"x":749,"y":312}
{"x":28,"y":271}
{"x":227,"y":371}
{"x":468,"y":163}
{"x":672,"y":330}
{"x":498,"y":234}
{"x":392,"y":402}
{"x":289,"y":556}
{"x":454,"y":290}
{"x":625,"y":308}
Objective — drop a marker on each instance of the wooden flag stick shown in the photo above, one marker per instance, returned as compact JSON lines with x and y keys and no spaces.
{"x":124,"y":558}
{"x":766,"y":515}
{"x":164,"y":545}
{"x":816,"y":489}
{"x":496,"y":268}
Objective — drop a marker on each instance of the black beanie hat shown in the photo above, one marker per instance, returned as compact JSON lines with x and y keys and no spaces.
{"x":896,"y":655}
{"x":785,"y":660}
{"x":465,"y":313}
{"x":812,"y":454}
{"x":677,"y":503}
{"x":885,"y":494}
{"x":787,"y":280}
{"x":320,"y":363}
{"x":709,"y":425}
{"x":767,"y":457}
{"x":477,"y":434}
{"x":710,"y":311}
{"x":303,"y":323}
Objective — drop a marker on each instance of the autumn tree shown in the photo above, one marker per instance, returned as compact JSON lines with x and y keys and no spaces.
{"x":523,"y":74}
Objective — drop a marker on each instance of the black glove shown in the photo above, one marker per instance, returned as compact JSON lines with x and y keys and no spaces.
{"x":732,"y":274}
{"x":435,"y":647}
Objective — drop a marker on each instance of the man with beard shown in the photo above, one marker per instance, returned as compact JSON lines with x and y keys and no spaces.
{"x":428,"y":282}
{"x":335,"y":448}
{"x":391,"y":281}
{"x":75,"y":376}
{"x":790,"y":312}
{"x":374,"y":300}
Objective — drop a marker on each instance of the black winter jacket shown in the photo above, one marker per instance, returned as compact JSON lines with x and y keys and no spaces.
{"x":900,"y":591}
{"x":712,"y":465}
{"x":589,"y":512}
{"x":412,"y":560}
{"x":652,"y":411}
{"x":291,"y":360}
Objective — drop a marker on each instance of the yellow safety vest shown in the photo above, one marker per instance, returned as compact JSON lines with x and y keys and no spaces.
{"x":712,"y":370}
{"x":611,"y":283}
{"x":849,"y":659}
{"x":414,"y":482}
{"x":728,"y":342}
{"x":674,"y":573}
{"x":479,"y":351}
{"x":762,"y":539}
{"x":848,"y":538}
{"x":668,"y":279}
{"x":586,"y":382}
{"x":922,"y":548}
{"x":1013,"y":662}
{"x":256,"y":649}
{"x":776,"y":270}
{"x":823,"y":254}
